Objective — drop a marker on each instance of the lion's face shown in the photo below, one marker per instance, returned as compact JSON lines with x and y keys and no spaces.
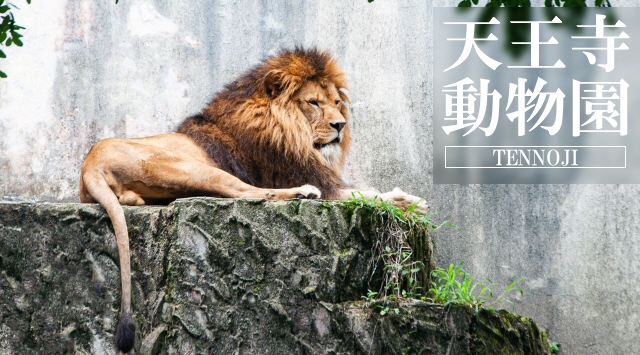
{"x":322,"y":107}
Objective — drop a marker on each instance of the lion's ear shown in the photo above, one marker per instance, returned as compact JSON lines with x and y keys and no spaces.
{"x":272,"y":85}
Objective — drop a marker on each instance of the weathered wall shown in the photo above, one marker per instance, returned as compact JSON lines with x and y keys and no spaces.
{"x":91,"y":70}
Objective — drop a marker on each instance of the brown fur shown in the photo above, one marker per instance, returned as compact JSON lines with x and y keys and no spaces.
{"x":262,"y":131}
{"x":280,"y":131}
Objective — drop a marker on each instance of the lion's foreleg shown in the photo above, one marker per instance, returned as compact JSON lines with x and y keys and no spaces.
{"x":200,"y":178}
{"x":399,"y":198}
{"x":227,"y":185}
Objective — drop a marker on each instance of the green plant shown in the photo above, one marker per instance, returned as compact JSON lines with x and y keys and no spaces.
{"x":554,"y":347}
{"x":385,"y":309}
{"x":455,"y":286}
{"x":394,"y":226}
{"x":9,"y":34}
{"x":8,"y":29}
{"x":371,"y":296}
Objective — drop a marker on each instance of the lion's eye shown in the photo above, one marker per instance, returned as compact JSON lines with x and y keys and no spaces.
{"x":313,"y":103}
{"x":337,"y":102}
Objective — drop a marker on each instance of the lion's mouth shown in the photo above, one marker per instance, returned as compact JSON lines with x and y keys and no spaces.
{"x":322,"y":145}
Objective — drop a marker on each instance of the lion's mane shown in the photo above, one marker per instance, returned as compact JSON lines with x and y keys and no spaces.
{"x":262,"y":137}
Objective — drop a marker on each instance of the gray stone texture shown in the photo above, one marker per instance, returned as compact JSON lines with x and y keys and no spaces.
{"x":220,"y":276}
{"x":91,"y":70}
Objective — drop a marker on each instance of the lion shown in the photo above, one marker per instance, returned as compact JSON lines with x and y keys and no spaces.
{"x":280,"y":131}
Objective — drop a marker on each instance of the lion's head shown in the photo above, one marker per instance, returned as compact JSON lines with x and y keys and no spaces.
{"x":305,"y":87}
{"x":283,"y":123}
{"x":323,"y":108}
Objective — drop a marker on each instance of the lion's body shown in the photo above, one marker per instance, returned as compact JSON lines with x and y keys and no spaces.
{"x":280,"y":131}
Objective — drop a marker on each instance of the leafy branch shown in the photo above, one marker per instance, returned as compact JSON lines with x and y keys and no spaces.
{"x":8,"y":29}
{"x":9,"y":34}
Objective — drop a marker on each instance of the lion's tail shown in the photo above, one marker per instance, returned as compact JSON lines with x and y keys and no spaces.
{"x":98,"y":188}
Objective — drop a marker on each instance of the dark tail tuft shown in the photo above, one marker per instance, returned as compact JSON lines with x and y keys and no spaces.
{"x":126,"y":333}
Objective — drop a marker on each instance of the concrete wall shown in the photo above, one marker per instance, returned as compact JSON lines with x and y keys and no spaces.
{"x":92,"y":69}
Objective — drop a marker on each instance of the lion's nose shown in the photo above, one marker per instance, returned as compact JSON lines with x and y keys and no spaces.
{"x":338,"y":125}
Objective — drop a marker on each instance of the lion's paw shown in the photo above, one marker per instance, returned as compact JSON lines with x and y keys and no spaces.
{"x":403,"y":200}
{"x":308,"y":192}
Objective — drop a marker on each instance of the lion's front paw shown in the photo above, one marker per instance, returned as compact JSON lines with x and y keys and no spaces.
{"x":308,"y":191}
{"x":404,"y":200}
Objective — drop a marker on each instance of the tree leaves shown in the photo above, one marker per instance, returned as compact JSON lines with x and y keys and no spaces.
{"x":8,"y":30}
{"x":467,"y":3}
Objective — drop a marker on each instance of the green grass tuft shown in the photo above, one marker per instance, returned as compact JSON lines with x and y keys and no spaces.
{"x":455,"y":286}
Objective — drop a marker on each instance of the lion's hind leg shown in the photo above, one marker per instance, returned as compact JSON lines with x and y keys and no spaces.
{"x":96,"y":185}
{"x":130,"y":198}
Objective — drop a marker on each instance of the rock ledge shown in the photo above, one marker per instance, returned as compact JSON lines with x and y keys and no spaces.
{"x":221,"y":276}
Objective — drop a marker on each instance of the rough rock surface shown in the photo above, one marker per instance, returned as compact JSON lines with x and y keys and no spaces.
{"x":219,"y":276}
